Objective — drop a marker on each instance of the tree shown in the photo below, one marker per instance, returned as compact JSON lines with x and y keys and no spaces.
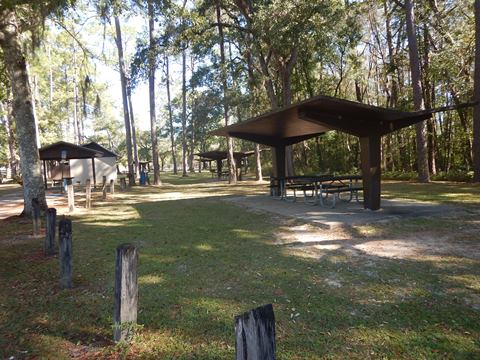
{"x":123,"y":81}
{"x":232,"y":168}
{"x":420,"y":128}
{"x":476,"y":114}
{"x":151,"y":89}
{"x":11,"y":29}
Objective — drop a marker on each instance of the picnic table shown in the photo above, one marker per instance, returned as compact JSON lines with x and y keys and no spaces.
{"x":324,"y":189}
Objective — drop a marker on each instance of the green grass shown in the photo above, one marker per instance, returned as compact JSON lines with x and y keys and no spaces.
{"x":203,"y":261}
{"x":192,"y":178}
{"x":441,"y":192}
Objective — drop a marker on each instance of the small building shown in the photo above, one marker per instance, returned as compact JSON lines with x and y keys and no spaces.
{"x":106,"y":165}
{"x":79,"y":163}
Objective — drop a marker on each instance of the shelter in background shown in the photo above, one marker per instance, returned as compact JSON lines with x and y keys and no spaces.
{"x":219,"y":156}
{"x":78,"y":163}
{"x":105,"y":165}
{"x":316,"y":116}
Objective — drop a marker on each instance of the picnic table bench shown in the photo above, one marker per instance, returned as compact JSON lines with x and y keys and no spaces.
{"x":324,"y":189}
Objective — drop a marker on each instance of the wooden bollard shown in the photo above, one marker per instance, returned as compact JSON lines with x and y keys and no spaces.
{"x":36,"y":216}
{"x":50,"y":229}
{"x":70,"y":195}
{"x":88,"y":194}
{"x":112,"y":187}
{"x":126,"y":292}
{"x":255,"y":334}
{"x":66,"y":259}
{"x":123,"y":183}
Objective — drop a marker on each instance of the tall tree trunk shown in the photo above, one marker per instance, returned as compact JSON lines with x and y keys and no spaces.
{"x":151,"y":91}
{"x":126,"y":117}
{"x":170,"y":116}
{"x":476,"y":111}
{"x":16,"y":66}
{"x":11,"y":144}
{"x":76,"y":101}
{"x":286,"y":74}
{"x":232,"y":167}
{"x":251,"y":89}
{"x":427,"y":94}
{"x":192,"y":123}
{"x":184,"y":113}
{"x":420,"y":128}
{"x":134,"y":131}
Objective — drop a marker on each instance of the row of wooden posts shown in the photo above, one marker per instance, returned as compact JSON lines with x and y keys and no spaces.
{"x":88,"y":191}
{"x":254,"y":330}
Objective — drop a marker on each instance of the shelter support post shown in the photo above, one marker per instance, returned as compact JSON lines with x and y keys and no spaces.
{"x":45,"y":173}
{"x":370,"y":158}
{"x":94,"y":175}
{"x":279,"y":167}
{"x":219,"y":168}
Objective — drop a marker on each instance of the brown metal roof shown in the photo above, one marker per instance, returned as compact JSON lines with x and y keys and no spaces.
{"x":54,"y":151}
{"x":318,"y":115}
{"x":96,"y":146}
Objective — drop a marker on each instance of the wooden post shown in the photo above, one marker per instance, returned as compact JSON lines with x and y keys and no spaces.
{"x":104,"y":188}
{"x":126,"y":292}
{"x":112,"y":186}
{"x":370,"y":157}
{"x":123,"y":183}
{"x":94,"y":173}
{"x":279,"y":168}
{"x":219,"y":169}
{"x":45,"y":173}
{"x":66,"y":260}
{"x":50,"y":229}
{"x":88,"y":194}
{"x":70,"y":195}
{"x":36,"y":216}
{"x":255,"y":334}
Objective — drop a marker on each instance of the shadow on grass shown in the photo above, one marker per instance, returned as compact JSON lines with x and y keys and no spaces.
{"x":203,"y":261}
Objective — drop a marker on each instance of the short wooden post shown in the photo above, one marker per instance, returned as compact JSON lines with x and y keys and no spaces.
{"x":112,"y":186}
{"x":126,"y":292}
{"x":70,"y":195}
{"x":104,"y":181}
{"x":123,"y":183}
{"x":88,"y":194}
{"x":50,"y":229}
{"x":66,"y":259}
{"x":255,"y":334}
{"x":36,"y":216}
{"x":104,"y":192}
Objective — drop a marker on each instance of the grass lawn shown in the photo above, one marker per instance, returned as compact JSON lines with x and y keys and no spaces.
{"x":203,"y":261}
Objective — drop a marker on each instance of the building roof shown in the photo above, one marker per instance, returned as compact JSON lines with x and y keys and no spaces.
{"x":96,"y":146}
{"x":72,"y":151}
{"x":318,"y":115}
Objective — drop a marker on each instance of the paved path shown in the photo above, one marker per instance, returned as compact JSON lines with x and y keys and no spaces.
{"x":345,"y":213}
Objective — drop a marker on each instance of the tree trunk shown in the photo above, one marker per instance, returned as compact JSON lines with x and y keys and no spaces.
{"x":16,"y":66}
{"x":134,"y":131}
{"x":170,"y":116}
{"x":258,"y":162}
{"x":123,"y":81}
{"x":12,"y":156}
{"x":184,"y":113}
{"x":420,"y":128}
{"x":232,"y":168}
{"x":476,"y":111}
{"x":151,"y":90}
{"x":286,"y":72}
